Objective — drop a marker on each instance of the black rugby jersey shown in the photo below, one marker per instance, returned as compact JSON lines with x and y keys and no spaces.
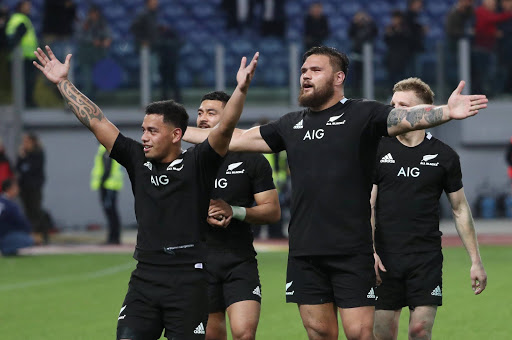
{"x":240,"y":176}
{"x":410,"y":182}
{"x":171,"y":201}
{"x":331,"y":154}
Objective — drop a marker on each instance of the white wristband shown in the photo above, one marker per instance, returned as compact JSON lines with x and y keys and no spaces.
{"x":238,"y":212}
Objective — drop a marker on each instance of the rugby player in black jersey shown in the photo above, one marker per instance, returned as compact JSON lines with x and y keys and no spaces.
{"x":244,"y":194}
{"x":412,"y":171}
{"x":331,"y":147}
{"x":172,"y":187}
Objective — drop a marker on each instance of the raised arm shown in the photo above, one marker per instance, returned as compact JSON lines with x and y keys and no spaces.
{"x":88,"y":113}
{"x":221,"y":134}
{"x":466,"y":230}
{"x":401,"y":120}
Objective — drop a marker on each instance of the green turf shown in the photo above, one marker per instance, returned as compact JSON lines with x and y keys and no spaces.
{"x":79,"y":297}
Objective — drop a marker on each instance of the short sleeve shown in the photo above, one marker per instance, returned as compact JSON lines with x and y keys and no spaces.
{"x":272,"y":133}
{"x":261,"y":175}
{"x":379,"y":118}
{"x":126,"y":151}
{"x":453,"y":180}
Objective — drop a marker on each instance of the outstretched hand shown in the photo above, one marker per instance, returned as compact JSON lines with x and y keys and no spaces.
{"x":463,"y":106}
{"x":245,"y":73}
{"x":51,"y":67}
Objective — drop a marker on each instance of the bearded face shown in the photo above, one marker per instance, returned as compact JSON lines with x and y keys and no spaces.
{"x":315,"y":95}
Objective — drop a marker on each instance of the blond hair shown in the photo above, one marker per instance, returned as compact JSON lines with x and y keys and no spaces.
{"x":418,"y":86}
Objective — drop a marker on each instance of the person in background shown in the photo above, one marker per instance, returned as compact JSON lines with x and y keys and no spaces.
{"x":20,"y":31}
{"x":508,"y":158}
{"x":316,"y":26}
{"x":94,"y":39}
{"x":5,"y":166}
{"x":458,"y":25}
{"x":14,"y":226}
{"x":107,"y":178}
{"x":362,"y":30}
{"x":483,"y":56}
{"x":31,"y":176}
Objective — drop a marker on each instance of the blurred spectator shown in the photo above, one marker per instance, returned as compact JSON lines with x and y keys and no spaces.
{"x":164,"y":44}
{"x":362,"y":30}
{"x":14,"y":227}
{"x":30,"y":168}
{"x":508,"y":158}
{"x":483,"y":63}
{"x":5,"y":166}
{"x":107,"y":177}
{"x":94,"y":39}
{"x":316,"y":26}
{"x":239,"y":13}
{"x":273,"y":18}
{"x":58,"y":21}
{"x":417,"y":42}
{"x":397,"y":38}
{"x":168,"y":50}
{"x":4,"y":50}
{"x":20,"y":31}
{"x":505,"y":50}
{"x":459,"y":22}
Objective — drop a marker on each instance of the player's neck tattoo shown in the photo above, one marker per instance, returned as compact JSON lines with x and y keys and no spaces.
{"x":83,"y":108}
{"x":432,"y":115}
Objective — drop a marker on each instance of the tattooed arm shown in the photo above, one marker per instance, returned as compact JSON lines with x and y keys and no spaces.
{"x":401,"y":120}
{"x":84,"y":109}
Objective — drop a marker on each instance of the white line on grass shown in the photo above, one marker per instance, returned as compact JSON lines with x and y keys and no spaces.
{"x":67,"y":278}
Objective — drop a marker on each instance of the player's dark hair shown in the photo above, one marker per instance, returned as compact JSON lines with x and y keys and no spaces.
{"x":221,"y":96}
{"x":338,"y":60}
{"x":418,"y":86}
{"x":174,"y":113}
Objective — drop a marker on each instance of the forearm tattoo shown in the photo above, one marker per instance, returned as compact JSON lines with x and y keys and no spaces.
{"x":83,"y":108}
{"x":432,"y":115}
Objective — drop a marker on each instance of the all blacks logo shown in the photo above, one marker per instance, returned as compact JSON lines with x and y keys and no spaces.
{"x":231,"y":169}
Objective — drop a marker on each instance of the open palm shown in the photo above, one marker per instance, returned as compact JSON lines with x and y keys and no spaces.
{"x":51,"y":67}
{"x":245,"y":73}
{"x":463,"y":106}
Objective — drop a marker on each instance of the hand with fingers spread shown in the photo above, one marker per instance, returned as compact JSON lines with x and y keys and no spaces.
{"x":462,"y":106}
{"x":51,"y":67}
{"x":246,"y":73}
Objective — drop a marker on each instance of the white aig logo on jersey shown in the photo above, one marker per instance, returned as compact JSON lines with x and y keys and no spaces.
{"x":159,"y":180}
{"x":334,"y":120}
{"x":231,"y":169}
{"x":174,"y":166}
{"x":314,"y":134}
{"x":221,"y":183}
{"x":427,"y":158}
{"x":409,"y":172}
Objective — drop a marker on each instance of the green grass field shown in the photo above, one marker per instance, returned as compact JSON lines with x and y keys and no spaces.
{"x":79,"y":297}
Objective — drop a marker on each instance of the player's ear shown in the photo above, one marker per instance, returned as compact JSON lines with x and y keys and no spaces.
{"x":177,"y":135}
{"x":339,"y":78}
